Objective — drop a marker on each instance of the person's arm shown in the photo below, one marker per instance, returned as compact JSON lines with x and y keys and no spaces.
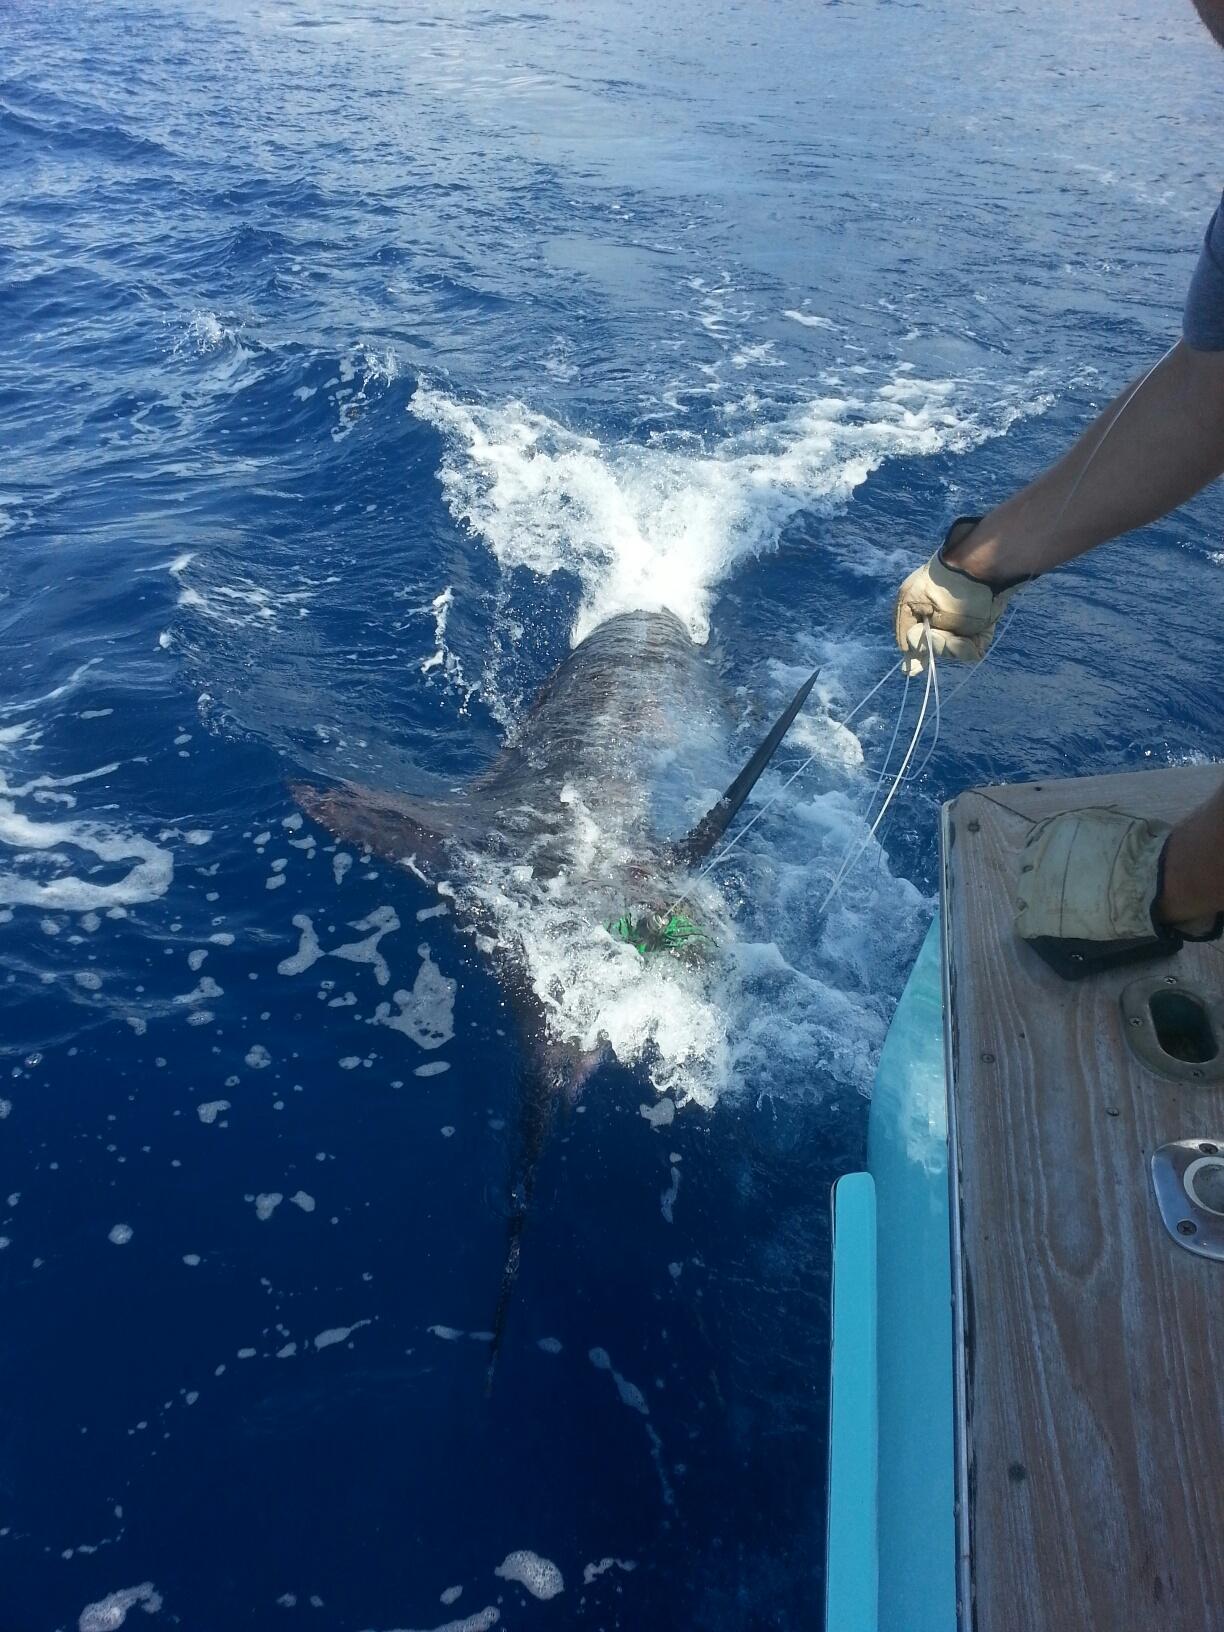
{"x":1161,"y":443}
{"x":1167,"y":445}
{"x":1193,"y":884}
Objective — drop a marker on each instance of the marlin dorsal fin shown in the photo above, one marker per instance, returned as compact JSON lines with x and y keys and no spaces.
{"x":701,"y":840}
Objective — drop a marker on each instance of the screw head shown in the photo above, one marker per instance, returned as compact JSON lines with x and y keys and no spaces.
{"x":1210,"y":1150}
{"x":974,"y":826}
{"x":1187,"y":1227}
{"x":988,"y":1059}
{"x":1135,"y":1020}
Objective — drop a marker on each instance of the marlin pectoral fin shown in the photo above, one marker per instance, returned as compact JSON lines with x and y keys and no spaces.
{"x":698,"y":843}
{"x":393,"y":825}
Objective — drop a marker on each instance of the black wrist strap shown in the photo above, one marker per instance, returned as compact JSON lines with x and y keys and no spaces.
{"x":996,"y":586}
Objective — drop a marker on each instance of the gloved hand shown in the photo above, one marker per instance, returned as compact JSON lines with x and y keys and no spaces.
{"x":1089,"y":881}
{"x":961,"y":610}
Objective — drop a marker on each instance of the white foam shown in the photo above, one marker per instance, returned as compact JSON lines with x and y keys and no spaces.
{"x":592,"y":1572}
{"x":382,"y":921}
{"x":432,"y":1068}
{"x":443,"y":657}
{"x":301,"y":1199}
{"x":309,"y":951}
{"x":597,"y":993}
{"x":809,"y":320}
{"x":540,"y":1576}
{"x":374,"y":369}
{"x":206,"y":332}
{"x":480,"y":1622}
{"x":211,"y":1109}
{"x":426,"y":1013}
{"x":110,"y":1612}
{"x":658,"y":526}
{"x":338,"y":1334}
{"x":242,"y":604}
{"x":204,"y":991}
{"x":26,"y":705}
{"x":661,"y":1114}
{"x":266,"y":1204}
{"x":148,"y":877}
{"x":667,"y":1201}
{"x":630,"y":1394}
{"x":120,"y":1234}
{"x":258,"y":1058}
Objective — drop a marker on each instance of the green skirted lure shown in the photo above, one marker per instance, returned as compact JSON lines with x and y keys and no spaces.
{"x":650,"y":933}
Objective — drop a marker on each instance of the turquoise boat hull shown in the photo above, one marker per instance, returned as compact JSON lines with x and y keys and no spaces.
{"x":891,"y":1546}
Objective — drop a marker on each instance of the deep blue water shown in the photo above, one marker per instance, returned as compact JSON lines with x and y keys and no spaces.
{"x":355,"y":359}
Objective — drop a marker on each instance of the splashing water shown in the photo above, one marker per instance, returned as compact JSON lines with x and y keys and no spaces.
{"x":659,"y":527}
{"x":654,"y":526}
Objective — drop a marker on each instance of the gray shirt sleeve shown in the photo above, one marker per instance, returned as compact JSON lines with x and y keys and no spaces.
{"x":1203,"y":319}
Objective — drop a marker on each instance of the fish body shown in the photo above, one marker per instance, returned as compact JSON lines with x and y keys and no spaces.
{"x":565,"y":817}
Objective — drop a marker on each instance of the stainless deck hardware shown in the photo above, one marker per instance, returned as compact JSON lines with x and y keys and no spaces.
{"x":1174,"y":1029}
{"x":1188,"y":1178}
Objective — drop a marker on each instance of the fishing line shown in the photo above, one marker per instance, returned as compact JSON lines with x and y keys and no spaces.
{"x":883,"y":771}
{"x":1106,"y":431}
{"x":926,"y":758}
{"x":773,"y":799}
{"x":938,"y":722}
{"x":848,"y":865}
{"x":892,"y":742}
{"x":1075,"y":487}
{"x":851,"y":858}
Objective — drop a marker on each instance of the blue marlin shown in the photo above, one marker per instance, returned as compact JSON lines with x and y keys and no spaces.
{"x":566,"y":804}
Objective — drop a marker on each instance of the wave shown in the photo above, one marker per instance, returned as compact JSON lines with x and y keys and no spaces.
{"x":661,"y":524}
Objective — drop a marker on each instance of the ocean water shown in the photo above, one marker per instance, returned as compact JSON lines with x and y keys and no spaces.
{"x":358,"y":359}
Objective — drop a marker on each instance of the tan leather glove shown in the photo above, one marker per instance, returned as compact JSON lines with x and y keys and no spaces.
{"x":1089,"y":881}
{"x":962,"y":611}
{"x":1090,"y":875}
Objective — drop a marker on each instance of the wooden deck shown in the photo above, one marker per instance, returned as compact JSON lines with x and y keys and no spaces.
{"x":1090,"y":1344}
